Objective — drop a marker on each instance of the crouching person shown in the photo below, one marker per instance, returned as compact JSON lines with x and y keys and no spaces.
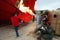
{"x":45,"y":32}
{"x":15,"y":23}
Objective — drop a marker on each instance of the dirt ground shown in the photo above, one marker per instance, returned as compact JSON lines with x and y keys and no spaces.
{"x":8,"y":32}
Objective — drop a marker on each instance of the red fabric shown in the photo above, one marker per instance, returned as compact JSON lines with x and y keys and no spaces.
{"x":30,"y":3}
{"x":7,"y":8}
{"x":15,"y":21}
{"x":13,"y":2}
{"x":25,"y":17}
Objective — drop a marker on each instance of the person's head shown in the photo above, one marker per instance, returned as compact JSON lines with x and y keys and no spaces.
{"x":41,"y":11}
{"x":18,"y":0}
{"x":46,"y":12}
{"x":14,"y":14}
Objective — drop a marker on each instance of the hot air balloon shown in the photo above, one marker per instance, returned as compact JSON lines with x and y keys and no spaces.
{"x":8,"y":8}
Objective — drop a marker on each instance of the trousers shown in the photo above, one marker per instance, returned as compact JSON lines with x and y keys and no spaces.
{"x":16,"y":30}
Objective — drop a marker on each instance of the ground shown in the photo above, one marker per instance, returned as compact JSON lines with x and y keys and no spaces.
{"x":8,"y":33}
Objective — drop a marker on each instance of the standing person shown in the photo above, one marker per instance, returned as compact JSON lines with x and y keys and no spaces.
{"x":38,"y":18}
{"x":15,"y":23}
{"x":18,"y":3}
{"x":34,"y":16}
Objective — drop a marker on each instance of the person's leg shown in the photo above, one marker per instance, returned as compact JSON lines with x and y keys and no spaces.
{"x":16,"y":29}
{"x":38,"y":19}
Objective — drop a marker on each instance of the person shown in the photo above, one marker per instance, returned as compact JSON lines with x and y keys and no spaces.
{"x":34,"y":17}
{"x":15,"y":23}
{"x":17,"y":3}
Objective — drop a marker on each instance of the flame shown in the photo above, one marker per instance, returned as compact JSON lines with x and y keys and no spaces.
{"x":25,"y":9}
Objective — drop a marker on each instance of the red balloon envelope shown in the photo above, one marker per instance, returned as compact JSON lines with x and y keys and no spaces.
{"x":7,"y":8}
{"x":26,"y":17}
